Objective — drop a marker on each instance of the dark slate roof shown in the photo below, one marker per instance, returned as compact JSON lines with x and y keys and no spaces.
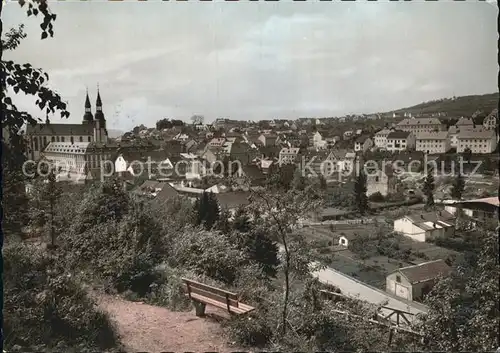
{"x":60,"y":129}
{"x":425,"y":271}
{"x":432,"y":217}
{"x":362,"y":138}
{"x":166,"y":193}
{"x":233,"y":199}
{"x":398,"y":134}
{"x":253,"y":172}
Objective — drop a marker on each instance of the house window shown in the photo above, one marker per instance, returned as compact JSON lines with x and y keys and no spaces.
{"x":89,"y":138}
{"x":72,"y":140}
{"x":45,"y":141}
{"x":81,"y":138}
{"x":62,"y":138}
{"x":398,"y":278}
{"x":36,"y":144}
{"x":52,"y":139}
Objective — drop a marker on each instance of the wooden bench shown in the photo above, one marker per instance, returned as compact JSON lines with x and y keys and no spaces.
{"x":202,"y":294}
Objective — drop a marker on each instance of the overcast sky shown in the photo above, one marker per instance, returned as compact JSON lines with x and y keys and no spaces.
{"x":256,"y":60}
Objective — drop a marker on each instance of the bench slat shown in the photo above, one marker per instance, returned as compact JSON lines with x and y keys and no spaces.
{"x":221,"y":292}
{"x":218,"y":304}
{"x":214,"y":296}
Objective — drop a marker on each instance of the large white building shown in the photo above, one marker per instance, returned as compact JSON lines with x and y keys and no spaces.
{"x":477,"y":140}
{"x":433,"y":142}
{"x":416,"y":125}
{"x":90,"y":130}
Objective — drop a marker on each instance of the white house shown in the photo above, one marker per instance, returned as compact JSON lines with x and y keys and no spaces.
{"x":433,"y":142}
{"x":381,"y":138}
{"x":400,"y":141}
{"x":421,"y":227}
{"x":477,"y":140}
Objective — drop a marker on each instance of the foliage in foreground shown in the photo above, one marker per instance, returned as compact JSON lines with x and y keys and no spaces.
{"x":46,"y":307}
{"x":114,"y":240}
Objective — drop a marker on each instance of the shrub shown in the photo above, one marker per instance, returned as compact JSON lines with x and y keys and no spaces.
{"x":46,"y":306}
{"x":251,"y":330}
{"x":168,"y":290}
{"x":122,"y":254}
{"x":376,"y":197}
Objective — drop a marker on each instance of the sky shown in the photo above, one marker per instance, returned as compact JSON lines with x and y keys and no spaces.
{"x":258,"y":60}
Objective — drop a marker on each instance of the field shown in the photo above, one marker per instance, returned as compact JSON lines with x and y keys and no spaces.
{"x":373,"y":251}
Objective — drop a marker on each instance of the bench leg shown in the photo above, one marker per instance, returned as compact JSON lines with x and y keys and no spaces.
{"x":200,"y":308}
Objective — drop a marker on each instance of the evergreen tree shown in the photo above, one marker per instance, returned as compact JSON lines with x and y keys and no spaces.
{"x":428,"y":188}
{"x":207,"y":210}
{"x":458,"y":187}
{"x":241,"y":221}
{"x":360,"y":198}
{"x":322,"y":183}
{"x":298,"y":181}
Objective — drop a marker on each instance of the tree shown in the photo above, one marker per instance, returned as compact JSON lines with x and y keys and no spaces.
{"x":463,"y":308}
{"x":163,"y":124}
{"x":428,"y":188}
{"x":207,"y":210}
{"x":458,"y":187}
{"x":360,"y":198}
{"x":45,"y":195}
{"x":467,"y":154}
{"x":197,"y":119}
{"x":299,"y":180}
{"x":281,"y":211}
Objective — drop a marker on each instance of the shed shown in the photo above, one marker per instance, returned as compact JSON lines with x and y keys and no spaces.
{"x":414,"y":282}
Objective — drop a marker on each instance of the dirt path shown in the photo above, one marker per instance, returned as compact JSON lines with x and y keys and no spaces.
{"x":146,"y":328}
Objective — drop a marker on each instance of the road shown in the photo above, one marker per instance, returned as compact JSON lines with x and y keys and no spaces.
{"x":357,"y":289}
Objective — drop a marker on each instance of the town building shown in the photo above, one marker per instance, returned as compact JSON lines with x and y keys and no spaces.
{"x":398,"y":140}
{"x":433,"y":142}
{"x":92,"y":129}
{"x":268,"y":139}
{"x":465,"y":122}
{"x":380,"y":139}
{"x":425,"y":226}
{"x":289,"y":155}
{"x":416,"y":125}
{"x":363,"y":143}
{"x":479,"y":210}
{"x":490,"y":122}
{"x":479,"y":141}
{"x":415,"y":282}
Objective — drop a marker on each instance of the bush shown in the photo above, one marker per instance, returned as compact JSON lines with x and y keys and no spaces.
{"x":376,"y":197}
{"x":251,"y":330}
{"x":168,"y":291}
{"x":44,"y":306}
{"x":122,"y":254}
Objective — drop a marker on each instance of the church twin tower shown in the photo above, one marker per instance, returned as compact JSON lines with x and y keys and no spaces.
{"x":98,"y":122}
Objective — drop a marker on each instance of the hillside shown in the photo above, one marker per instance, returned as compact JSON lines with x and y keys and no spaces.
{"x":460,"y":106}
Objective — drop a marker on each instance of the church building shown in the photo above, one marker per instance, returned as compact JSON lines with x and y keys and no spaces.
{"x":92,"y":129}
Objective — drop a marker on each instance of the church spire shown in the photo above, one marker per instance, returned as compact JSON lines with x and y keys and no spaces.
{"x":98,"y":102}
{"x":87,"y":102}
{"x":87,"y":117}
